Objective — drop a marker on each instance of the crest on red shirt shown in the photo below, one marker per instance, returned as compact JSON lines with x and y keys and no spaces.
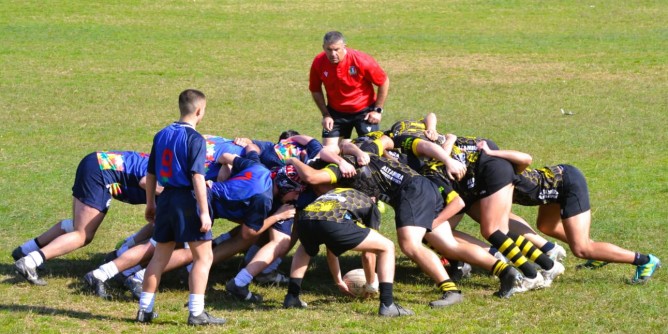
{"x":352,"y":70}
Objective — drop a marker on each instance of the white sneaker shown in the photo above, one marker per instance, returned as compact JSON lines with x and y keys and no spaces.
{"x":531,"y":283}
{"x":557,"y":253}
{"x":552,"y":274}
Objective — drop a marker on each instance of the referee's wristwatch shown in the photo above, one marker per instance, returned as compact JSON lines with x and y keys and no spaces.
{"x":377,"y":109}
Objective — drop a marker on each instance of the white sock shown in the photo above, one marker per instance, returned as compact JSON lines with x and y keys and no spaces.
{"x":131,"y":271}
{"x":272,"y":266}
{"x":140,"y":274}
{"x":33,"y":259}
{"x":146,"y":301}
{"x":110,"y":270}
{"x":196,"y":304}
{"x":243,"y":278}
{"x":29,"y":246}
{"x":250,"y":253}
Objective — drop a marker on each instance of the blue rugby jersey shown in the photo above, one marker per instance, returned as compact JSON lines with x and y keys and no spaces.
{"x":122,"y":171}
{"x":178,"y":151}
{"x":246,"y":195}
{"x":215,"y":147}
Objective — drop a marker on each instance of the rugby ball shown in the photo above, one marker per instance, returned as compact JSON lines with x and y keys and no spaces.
{"x":355,"y":280}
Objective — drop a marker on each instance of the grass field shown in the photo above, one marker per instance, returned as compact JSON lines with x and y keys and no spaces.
{"x":81,"y":76}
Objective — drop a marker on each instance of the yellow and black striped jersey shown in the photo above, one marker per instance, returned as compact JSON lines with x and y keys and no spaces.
{"x":382,"y":178}
{"x":538,"y":186}
{"x":342,"y":205}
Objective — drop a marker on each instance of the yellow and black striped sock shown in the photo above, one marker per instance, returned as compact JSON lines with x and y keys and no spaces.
{"x":507,"y":247}
{"x":448,"y":285}
{"x":531,"y":252}
{"x":499,"y":267}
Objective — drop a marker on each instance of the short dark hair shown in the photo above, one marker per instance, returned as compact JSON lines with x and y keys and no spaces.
{"x":287,"y":134}
{"x":189,"y":99}
{"x":333,"y":37}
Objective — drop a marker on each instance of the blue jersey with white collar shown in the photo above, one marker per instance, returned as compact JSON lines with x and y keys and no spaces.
{"x":178,"y":152}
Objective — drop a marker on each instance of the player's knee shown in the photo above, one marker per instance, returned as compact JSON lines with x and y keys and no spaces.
{"x":410,"y":249}
{"x":581,"y":251}
{"x":87,"y":238}
{"x":388,"y":245}
{"x":545,"y":229}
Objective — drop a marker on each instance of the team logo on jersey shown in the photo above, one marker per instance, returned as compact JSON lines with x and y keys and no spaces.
{"x":110,"y":161}
{"x":352,"y":70}
{"x":326,"y":73}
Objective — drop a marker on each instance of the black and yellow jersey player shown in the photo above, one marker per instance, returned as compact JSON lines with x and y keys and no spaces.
{"x":419,"y":212}
{"x":344,"y":219}
{"x":564,"y":211}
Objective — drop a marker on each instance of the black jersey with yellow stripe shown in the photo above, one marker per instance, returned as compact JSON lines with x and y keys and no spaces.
{"x":538,"y":186}
{"x":408,"y":127}
{"x":342,"y":205}
{"x":382,"y":178}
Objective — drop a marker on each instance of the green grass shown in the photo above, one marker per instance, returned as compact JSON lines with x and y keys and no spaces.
{"x":84,"y":76}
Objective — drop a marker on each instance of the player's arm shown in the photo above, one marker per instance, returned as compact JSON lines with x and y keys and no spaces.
{"x":284,"y":212}
{"x":335,"y":269}
{"x":158,"y":188}
{"x":454,"y":204}
{"x":199,"y":186}
{"x":430,"y":126}
{"x":520,"y":160}
{"x":328,"y":154}
{"x":301,"y":139}
{"x":455,"y":169}
{"x":151,"y":183}
{"x":383,"y":90}
{"x":309,"y":174}
{"x":352,"y":149}
{"x":327,"y":120}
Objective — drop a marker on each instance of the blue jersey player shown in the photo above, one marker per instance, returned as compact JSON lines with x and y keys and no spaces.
{"x":100,"y":177}
{"x":177,"y":163}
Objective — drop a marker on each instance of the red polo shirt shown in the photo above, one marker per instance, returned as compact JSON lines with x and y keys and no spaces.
{"x":349,"y":84}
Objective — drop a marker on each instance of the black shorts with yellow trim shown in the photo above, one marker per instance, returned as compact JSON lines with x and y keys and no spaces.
{"x":338,"y":237}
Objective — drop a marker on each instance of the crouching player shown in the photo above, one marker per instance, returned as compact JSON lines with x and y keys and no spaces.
{"x":100,"y":177}
{"x":343,"y":219}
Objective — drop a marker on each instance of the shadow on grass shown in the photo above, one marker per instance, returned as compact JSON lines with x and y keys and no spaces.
{"x":42,"y":310}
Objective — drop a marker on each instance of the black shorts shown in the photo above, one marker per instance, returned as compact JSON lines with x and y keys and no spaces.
{"x":491,"y":175}
{"x":574,"y":197}
{"x":418,"y":204}
{"x":177,"y":217}
{"x":344,"y":124}
{"x":338,"y":237}
{"x":89,"y":186}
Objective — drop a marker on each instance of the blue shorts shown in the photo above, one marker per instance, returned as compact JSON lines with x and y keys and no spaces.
{"x":283,"y":226}
{"x":89,"y":186}
{"x":177,"y":217}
